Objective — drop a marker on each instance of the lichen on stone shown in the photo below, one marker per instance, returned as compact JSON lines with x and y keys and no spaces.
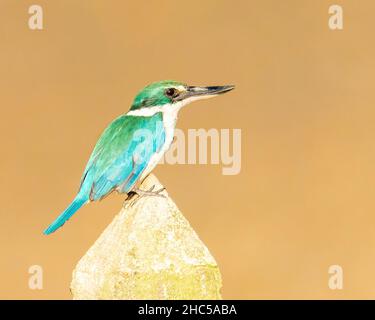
{"x":149,"y":251}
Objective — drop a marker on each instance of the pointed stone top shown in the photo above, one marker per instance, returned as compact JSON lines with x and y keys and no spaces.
{"x":149,"y":251}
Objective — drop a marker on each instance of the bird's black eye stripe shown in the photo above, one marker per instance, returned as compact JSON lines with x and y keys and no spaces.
{"x":171,"y":92}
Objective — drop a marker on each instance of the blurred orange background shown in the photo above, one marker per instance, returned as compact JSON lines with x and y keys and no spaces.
{"x":304,"y":199}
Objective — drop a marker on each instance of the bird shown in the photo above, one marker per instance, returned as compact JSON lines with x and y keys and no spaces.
{"x":133,"y":144}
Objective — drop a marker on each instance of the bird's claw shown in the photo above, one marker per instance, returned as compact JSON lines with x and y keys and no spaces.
{"x":143,"y":193}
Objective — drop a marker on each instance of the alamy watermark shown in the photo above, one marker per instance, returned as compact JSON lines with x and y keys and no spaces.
{"x":212,"y":146}
{"x":336,"y":277}
{"x":336,"y":19}
{"x":35,"y":21}
{"x":197,"y":146}
{"x":36,"y":277}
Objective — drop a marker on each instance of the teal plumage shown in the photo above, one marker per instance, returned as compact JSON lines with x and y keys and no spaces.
{"x":121,"y":154}
{"x":153,"y":95}
{"x":132,"y":144}
{"x":117,"y":161}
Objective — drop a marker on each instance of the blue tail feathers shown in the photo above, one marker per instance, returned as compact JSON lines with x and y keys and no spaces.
{"x":62,"y":218}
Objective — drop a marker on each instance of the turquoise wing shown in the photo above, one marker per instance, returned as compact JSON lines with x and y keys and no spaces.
{"x":121,"y":155}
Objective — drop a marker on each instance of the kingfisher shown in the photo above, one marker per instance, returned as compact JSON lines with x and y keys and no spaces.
{"x":132,"y":145}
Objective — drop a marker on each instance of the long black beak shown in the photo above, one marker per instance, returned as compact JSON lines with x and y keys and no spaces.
{"x":204,"y":92}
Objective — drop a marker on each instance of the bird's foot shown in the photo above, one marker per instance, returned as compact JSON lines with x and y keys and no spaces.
{"x":139,"y":193}
{"x":150,"y":192}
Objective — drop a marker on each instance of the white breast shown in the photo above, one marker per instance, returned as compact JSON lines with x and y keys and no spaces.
{"x":169,"y":123}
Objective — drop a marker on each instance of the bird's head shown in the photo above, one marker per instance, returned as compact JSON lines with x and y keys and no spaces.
{"x":173,"y":94}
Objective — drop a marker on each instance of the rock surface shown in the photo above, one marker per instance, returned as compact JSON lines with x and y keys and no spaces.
{"x":149,"y":251}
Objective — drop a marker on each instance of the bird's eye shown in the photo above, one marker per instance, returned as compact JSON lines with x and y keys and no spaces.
{"x":171,"y":92}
